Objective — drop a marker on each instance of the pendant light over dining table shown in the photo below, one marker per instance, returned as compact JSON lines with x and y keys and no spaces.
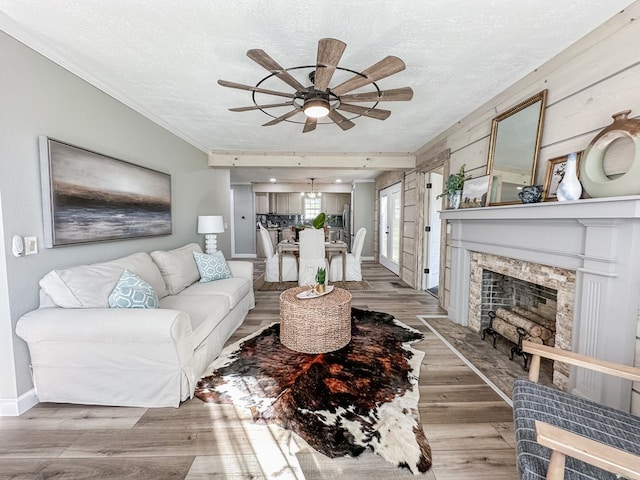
{"x":312,"y":193}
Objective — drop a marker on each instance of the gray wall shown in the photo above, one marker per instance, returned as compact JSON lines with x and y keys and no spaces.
{"x":362,"y":203}
{"x":41,"y":98}
{"x":244,"y":221}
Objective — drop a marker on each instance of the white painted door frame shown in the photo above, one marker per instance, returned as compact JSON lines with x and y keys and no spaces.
{"x":390,"y":222}
{"x":432,"y":233}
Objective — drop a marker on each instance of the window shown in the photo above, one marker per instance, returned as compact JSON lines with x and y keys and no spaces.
{"x":312,"y":207}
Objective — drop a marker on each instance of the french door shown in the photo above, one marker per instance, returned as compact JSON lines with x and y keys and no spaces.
{"x":431,"y":244}
{"x":390,"y":225}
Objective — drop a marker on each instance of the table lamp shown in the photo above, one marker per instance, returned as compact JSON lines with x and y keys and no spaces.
{"x":210,"y":225}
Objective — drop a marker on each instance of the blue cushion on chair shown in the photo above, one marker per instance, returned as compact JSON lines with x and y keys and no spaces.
{"x":532,"y":401}
{"x":132,"y":292}
{"x":212,"y":266}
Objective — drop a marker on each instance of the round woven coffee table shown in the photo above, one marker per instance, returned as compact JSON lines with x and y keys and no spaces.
{"x":315,"y":325}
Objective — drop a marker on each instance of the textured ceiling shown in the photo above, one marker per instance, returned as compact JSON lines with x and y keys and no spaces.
{"x":163,"y":58}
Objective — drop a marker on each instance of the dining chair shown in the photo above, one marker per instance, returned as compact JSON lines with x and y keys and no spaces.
{"x":312,"y":256}
{"x":354,"y":260}
{"x":271,"y":270}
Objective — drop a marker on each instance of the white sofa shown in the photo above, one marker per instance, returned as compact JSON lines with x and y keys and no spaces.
{"x":82,"y":351}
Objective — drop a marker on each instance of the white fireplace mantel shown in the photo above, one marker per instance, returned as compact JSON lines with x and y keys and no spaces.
{"x":599,"y":239}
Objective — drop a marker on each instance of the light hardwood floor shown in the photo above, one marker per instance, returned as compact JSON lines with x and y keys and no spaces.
{"x":468,"y":425}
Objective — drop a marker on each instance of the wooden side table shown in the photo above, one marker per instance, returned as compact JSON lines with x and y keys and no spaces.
{"x":315,"y":325}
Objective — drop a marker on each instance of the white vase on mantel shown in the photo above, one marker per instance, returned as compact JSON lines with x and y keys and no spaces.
{"x":455,"y":199}
{"x":569,"y":188}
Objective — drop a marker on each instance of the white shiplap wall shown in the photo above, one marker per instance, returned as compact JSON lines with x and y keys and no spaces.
{"x":587,"y":83}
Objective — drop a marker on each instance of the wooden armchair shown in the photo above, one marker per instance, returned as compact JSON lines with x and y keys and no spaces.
{"x":585,"y":440}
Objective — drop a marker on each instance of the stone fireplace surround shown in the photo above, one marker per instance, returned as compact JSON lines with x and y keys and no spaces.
{"x":563,"y":281}
{"x":598,"y":240}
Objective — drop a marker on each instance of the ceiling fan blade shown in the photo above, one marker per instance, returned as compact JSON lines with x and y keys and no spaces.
{"x":281,"y":118}
{"x":376,"y":113}
{"x":343,"y":122}
{"x":393,"y":95}
{"x":263,"y":59}
{"x":385,"y":67}
{"x":240,"y":86}
{"x":330,"y":52}
{"x":260,"y":107}
{"x":310,"y":124}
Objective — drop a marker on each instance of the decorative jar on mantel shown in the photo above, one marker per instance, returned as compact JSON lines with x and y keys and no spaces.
{"x":595,"y":180}
{"x":531,"y":194}
{"x":569,"y":188}
{"x":455,"y":199}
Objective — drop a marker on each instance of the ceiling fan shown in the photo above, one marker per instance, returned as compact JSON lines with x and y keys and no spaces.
{"x":319,"y":100}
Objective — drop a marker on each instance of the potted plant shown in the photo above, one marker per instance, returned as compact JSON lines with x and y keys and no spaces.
{"x":453,"y":188}
{"x":321,"y":276}
{"x":318,"y":222}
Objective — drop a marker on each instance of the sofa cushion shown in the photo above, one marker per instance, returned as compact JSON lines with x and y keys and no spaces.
{"x":205,"y":312}
{"x":532,"y":401}
{"x":178,"y":268}
{"x":234,"y":288}
{"x":89,"y":286}
{"x":211,"y":266}
{"x":143,"y":266}
{"x":132,"y":292}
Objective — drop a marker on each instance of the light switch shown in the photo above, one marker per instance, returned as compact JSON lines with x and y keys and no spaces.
{"x":30,"y":245}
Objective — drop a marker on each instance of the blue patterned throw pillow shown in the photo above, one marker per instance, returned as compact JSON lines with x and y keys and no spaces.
{"x":132,"y":292}
{"x":212,"y":266}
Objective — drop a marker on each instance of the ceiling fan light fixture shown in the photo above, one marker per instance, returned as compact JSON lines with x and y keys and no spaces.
{"x":319,"y":100}
{"x":316,"y":105}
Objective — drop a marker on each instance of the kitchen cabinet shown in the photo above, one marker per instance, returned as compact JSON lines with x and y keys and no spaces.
{"x":295,"y":204}
{"x":288,"y":204}
{"x":333,"y":203}
{"x":282,"y":203}
{"x":262,"y":203}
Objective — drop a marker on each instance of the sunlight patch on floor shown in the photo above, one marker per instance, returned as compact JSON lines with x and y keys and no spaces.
{"x":273,"y":450}
{"x":467,"y":362}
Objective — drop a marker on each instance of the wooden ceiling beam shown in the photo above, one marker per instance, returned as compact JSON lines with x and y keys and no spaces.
{"x":336,"y":161}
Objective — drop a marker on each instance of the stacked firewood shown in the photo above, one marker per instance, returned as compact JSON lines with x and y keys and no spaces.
{"x":539,"y":329}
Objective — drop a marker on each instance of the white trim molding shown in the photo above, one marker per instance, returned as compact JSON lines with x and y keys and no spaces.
{"x":16,"y":407}
{"x":595,"y":238}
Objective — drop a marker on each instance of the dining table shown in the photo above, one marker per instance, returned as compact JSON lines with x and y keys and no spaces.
{"x":330,"y":249}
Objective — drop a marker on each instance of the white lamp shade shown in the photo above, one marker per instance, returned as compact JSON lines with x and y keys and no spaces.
{"x":210,"y":224}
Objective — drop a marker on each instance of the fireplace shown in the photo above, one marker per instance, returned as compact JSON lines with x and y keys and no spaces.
{"x":585,"y":251}
{"x":500,"y":291}
{"x":529,"y":284}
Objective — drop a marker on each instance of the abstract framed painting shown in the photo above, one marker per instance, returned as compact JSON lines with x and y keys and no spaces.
{"x":89,"y":197}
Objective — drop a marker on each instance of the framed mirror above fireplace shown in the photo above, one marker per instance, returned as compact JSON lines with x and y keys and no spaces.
{"x":513,"y":149}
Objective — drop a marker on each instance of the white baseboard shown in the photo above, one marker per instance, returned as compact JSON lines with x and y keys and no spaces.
{"x":245,"y":255}
{"x":367,"y":259}
{"x":16,"y":407}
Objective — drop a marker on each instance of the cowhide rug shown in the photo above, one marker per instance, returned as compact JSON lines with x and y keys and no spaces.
{"x":364,"y":395}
